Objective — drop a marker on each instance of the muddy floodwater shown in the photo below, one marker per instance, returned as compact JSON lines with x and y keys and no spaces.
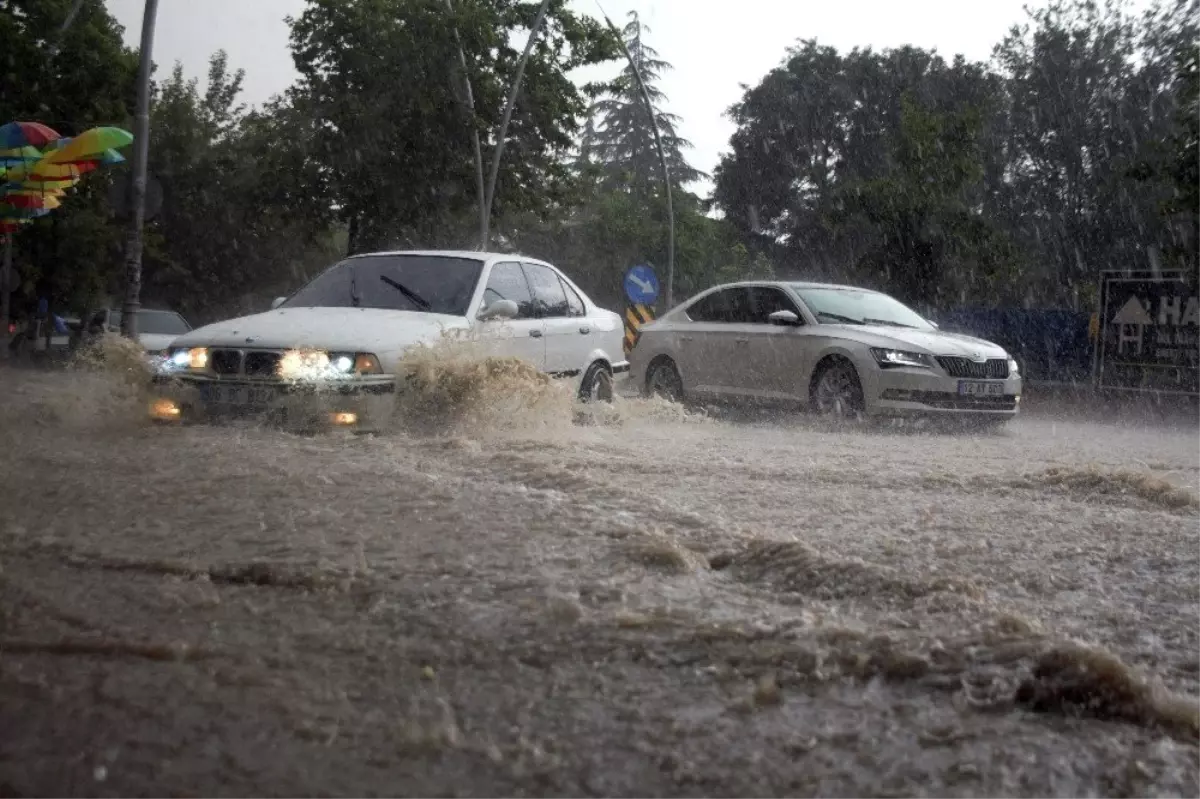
{"x":644,"y":604}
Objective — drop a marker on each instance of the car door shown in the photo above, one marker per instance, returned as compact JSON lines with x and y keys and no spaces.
{"x":521,"y":337}
{"x":567,"y":339}
{"x":775,"y":354}
{"x":707,"y":347}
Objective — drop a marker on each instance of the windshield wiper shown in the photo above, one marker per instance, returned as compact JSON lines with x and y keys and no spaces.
{"x":354,"y":298}
{"x":840,"y":318}
{"x":886,"y":322}
{"x":416,"y":298}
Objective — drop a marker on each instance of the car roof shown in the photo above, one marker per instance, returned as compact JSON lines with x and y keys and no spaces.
{"x":474,"y":255}
{"x":797,"y":284}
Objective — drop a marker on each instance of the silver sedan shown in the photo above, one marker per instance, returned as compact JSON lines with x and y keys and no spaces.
{"x":839,"y":350}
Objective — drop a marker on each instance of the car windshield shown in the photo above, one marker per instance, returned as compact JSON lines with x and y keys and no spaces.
{"x":859,"y":307}
{"x":438,"y":284}
{"x":155,"y":323}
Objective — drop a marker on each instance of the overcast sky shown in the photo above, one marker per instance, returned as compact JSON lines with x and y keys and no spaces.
{"x":713,"y":52}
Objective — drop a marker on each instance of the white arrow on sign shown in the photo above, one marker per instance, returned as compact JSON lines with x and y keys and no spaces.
{"x":644,"y":285}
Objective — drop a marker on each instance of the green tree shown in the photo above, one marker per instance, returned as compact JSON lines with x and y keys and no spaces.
{"x":867,"y":166}
{"x":618,"y":135}
{"x":380,"y":79}
{"x":922,"y":208}
{"x":1089,"y":105}
{"x":238,"y":218}
{"x":1186,"y":167}
{"x":71,"y":254}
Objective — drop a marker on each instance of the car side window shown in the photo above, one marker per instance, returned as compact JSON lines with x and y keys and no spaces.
{"x":575,"y":305}
{"x":741,"y":306}
{"x":548,"y":295}
{"x":507,"y":282}
{"x":767,"y":300}
{"x":713,"y":308}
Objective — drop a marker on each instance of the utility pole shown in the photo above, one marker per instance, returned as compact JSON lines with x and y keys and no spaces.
{"x":141,"y":154}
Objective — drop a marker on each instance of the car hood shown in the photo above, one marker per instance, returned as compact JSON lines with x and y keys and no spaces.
{"x":153,"y":342}
{"x":931,"y":342}
{"x":373,"y":330}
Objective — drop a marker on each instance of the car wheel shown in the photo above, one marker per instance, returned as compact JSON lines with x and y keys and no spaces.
{"x":837,"y":392}
{"x":597,"y":384}
{"x":663,"y":380}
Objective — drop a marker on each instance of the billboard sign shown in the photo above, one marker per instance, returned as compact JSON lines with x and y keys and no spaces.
{"x":1149,"y":333}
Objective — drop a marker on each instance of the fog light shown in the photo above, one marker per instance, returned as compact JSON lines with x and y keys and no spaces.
{"x":164,"y":410}
{"x":345,"y":418}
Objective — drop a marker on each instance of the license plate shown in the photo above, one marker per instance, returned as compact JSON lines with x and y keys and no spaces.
{"x":980,"y":388}
{"x":252,"y":396}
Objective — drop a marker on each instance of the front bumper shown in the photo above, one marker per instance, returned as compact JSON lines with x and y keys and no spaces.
{"x":904,"y":391}
{"x":364,"y":404}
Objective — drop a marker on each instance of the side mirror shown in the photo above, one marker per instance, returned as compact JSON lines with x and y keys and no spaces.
{"x":275,"y":303}
{"x":784,"y":318}
{"x":500,"y":309}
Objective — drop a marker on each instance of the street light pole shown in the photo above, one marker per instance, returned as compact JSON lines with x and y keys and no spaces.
{"x":141,"y":154}
{"x":508,"y":110}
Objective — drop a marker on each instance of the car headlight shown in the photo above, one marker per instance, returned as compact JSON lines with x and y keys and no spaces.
{"x":893,"y":358}
{"x":179,"y":358}
{"x":318,"y":365}
{"x":1014,"y":368}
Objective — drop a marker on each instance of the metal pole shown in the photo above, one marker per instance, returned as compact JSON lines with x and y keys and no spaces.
{"x":6,"y":291}
{"x":662,"y":159}
{"x":141,"y":153}
{"x":508,"y":109}
{"x":470,"y":104}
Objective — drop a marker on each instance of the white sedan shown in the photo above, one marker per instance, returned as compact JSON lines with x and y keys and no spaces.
{"x":839,"y":350}
{"x":346,"y":332}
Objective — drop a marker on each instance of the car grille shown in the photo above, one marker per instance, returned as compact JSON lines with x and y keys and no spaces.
{"x":991,"y":369}
{"x":225,"y":362}
{"x":262,"y":364}
{"x":244,"y":363}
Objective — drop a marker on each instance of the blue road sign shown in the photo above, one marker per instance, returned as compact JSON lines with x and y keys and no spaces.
{"x":641,"y":285}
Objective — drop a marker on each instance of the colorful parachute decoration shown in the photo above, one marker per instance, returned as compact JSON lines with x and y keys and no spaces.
{"x":38,"y":165}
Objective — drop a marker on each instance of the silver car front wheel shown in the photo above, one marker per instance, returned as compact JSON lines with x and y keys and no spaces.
{"x":662,"y":380}
{"x":837,"y":392}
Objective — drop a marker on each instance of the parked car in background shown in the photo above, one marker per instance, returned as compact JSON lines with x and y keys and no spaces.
{"x":349,"y":328}
{"x":156,"y":328}
{"x":838,"y":350}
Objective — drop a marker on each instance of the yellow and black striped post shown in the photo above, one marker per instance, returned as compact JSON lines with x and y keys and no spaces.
{"x":635,"y":316}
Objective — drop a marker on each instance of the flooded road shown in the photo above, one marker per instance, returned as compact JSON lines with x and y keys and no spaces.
{"x":650,"y":604}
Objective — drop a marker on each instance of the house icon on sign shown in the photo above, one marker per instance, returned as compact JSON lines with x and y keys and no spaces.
{"x":1131,"y":321}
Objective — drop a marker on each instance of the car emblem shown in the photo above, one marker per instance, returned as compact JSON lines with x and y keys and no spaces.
{"x":978,"y":357}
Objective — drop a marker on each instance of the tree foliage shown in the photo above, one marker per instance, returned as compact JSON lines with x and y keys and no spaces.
{"x":968,"y":182}
{"x":946,"y":181}
{"x":1185,"y":168}
{"x":378,"y":77}
{"x":619,"y":138}
{"x":72,"y":254}
{"x":237,"y":218}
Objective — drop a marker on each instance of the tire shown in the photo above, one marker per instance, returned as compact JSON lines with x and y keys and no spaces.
{"x":836,"y":391}
{"x":597,"y":384}
{"x":663,"y":380}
